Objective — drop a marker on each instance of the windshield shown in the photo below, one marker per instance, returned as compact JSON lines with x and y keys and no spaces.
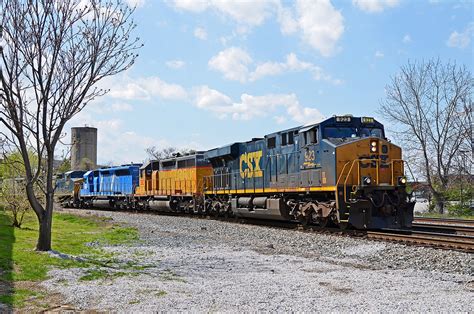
{"x":341,"y":132}
{"x":351,"y":132}
{"x":366,"y":132}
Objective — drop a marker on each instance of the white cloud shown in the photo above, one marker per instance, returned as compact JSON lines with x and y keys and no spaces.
{"x":379,"y":54}
{"x":251,"y":13}
{"x":319,"y":24}
{"x":190,"y":5}
{"x":235,"y":64}
{"x":175,"y":64}
{"x":101,"y":107}
{"x":200,"y":33}
{"x":463,"y":39}
{"x":407,"y":39}
{"x":211,"y":99}
{"x":136,"y":3}
{"x":288,"y":23}
{"x":250,"y":106}
{"x":280,"y":119}
{"x":145,"y":89}
{"x":375,"y":6}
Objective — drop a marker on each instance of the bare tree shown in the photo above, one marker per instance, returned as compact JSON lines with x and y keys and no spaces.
{"x":156,"y":153}
{"x":53,"y":55}
{"x":430,"y":105}
{"x":13,"y":198}
{"x":12,"y":186}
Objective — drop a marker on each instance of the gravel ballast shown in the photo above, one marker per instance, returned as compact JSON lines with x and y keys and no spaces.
{"x":190,"y":264}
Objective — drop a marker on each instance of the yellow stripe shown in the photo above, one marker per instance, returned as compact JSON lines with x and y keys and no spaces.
{"x":272,"y":190}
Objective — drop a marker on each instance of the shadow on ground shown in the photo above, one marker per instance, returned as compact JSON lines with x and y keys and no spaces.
{"x":7,"y":238}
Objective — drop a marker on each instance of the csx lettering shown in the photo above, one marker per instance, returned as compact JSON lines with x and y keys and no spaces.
{"x":250,"y":165}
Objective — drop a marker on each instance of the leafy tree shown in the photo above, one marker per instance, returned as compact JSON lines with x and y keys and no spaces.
{"x":430,"y":106}
{"x":54,"y":53}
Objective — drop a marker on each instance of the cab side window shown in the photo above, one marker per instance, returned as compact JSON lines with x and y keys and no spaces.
{"x":271,"y":142}
{"x":291,"y":139}
{"x":283,"y":139}
{"x":312,"y":136}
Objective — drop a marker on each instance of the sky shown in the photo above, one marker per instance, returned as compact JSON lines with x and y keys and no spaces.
{"x":217,"y":72}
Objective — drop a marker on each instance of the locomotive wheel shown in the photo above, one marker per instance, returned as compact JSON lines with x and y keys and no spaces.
{"x":323,"y":222}
{"x":304,"y":220}
{"x":344,"y":225}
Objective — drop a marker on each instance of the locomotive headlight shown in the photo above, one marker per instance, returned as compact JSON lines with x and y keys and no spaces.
{"x":373,"y":146}
{"x":402,"y":180}
{"x":366,"y":180}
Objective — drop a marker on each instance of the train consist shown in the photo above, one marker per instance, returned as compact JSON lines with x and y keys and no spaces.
{"x":342,"y":171}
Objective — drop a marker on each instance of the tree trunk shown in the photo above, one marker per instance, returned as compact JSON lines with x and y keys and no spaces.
{"x":440,"y":206}
{"x":44,"y":238}
{"x":439,"y":202}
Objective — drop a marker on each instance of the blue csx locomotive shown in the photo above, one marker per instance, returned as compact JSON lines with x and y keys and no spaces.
{"x":342,"y":171}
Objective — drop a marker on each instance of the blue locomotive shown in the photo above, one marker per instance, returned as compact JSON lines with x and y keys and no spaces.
{"x":341,"y":171}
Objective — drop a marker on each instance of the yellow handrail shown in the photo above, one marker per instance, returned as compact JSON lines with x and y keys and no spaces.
{"x":347,"y":177}
{"x":342,"y":172}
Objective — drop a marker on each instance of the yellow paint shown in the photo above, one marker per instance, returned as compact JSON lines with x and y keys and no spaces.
{"x":274,"y":190}
{"x":250,"y":165}
{"x":186,"y":181}
{"x":355,"y":160}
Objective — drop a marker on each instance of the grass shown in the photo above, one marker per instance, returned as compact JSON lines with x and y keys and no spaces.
{"x":19,"y":262}
{"x":168,"y":275}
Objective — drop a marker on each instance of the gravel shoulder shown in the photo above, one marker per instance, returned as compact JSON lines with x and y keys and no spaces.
{"x":186,"y":264}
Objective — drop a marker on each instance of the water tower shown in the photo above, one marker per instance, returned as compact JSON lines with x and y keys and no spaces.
{"x":84,"y":148}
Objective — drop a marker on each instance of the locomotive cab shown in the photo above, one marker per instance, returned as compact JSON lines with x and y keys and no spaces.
{"x":369,"y":172}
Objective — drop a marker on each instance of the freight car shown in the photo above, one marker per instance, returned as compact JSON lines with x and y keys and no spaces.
{"x":342,"y":171}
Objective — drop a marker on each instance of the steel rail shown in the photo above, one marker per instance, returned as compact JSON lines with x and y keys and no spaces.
{"x":444,"y":228}
{"x":446,"y":221}
{"x":441,"y":240}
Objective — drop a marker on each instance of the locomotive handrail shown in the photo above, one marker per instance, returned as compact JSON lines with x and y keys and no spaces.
{"x":250,"y":186}
{"x":345,"y":181}
{"x":402,"y":162}
{"x":358,"y":173}
{"x":377,"y":161}
{"x":342,"y":173}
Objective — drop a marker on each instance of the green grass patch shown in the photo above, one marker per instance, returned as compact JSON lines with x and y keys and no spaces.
{"x":19,"y":297}
{"x":98,"y":274}
{"x":70,"y":235}
{"x":168,"y":275}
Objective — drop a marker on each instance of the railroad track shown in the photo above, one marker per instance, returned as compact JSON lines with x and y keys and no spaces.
{"x":451,"y":237}
{"x":444,"y":221}
{"x":443,"y":228}
{"x":441,"y":240}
